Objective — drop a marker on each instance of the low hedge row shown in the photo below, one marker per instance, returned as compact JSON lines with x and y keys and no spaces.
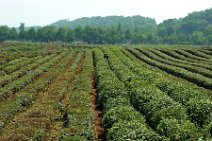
{"x":148,"y":98}
{"x":119,"y":121}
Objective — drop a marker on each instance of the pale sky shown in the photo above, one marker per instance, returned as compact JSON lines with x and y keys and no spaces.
{"x":44,"y":12}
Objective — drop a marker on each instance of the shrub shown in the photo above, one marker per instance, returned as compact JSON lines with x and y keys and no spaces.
{"x":200,"y":111}
{"x":120,"y":113}
{"x":172,"y":112}
{"x":132,"y":130}
{"x":115,"y":102}
{"x":209,"y":128}
{"x":178,"y":130}
{"x":72,"y":138}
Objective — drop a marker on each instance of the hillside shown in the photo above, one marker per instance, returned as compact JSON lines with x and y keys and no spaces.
{"x":196,"y":28}
{"x":134,"y":22}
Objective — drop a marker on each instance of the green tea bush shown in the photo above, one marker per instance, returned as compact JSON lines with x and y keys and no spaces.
{"x":178,"y":130}
{"x":132,"y":130}
{"x":120,"y":113}
{"x":200,"y":111}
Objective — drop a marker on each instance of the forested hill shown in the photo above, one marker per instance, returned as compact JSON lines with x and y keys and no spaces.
{"x":134,"y":22}
{"x":196,"y":28}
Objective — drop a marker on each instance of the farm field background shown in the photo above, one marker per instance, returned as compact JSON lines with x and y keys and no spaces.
{"x":104,"y":92}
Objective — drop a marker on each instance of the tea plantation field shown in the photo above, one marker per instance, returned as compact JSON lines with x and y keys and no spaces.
{"x":105,"y":93}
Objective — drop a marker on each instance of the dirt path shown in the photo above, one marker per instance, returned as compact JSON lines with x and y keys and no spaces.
{"x":54,"y":132}
{"x":97,"y":113}
{"x":42,"y":75}
{"x":42,"y":115}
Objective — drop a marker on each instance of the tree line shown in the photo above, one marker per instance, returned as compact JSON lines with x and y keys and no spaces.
{"x":113,"y":35}
{"x":196,"y":28}
{"x":87,"y":34}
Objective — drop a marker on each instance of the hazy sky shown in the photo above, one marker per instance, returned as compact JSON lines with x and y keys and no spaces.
{"x":44,"y":12}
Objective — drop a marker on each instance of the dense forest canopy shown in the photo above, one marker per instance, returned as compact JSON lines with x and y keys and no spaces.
{"x":134,"y":22}
{"x":196,"y":28}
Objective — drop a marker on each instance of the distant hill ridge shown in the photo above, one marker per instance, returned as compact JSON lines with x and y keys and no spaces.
{"x":134,"y":22}
{"x":195,"y":28}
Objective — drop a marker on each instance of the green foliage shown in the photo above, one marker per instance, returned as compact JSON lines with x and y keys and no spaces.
{"x":115,"y":102}
{"x":60,"y":35}
{"x":31,"y":34}
{"x":73,"y":138}
{"x":132,"y":130}
{"x":192,"y":29}
{"x":139,"y":102}
{"x":172,"y":112}
{"x":4,"y":33}
{"x":108,"y":84}
{"x":120,"y":113}
{"x":22,"y":32}
{"x":200,"y":110}
{"x":166,"y":103}
{"x":70,"y":36}
{"x":123,"y":113}
{"x":208,"y":128}
{"x":178,"y":130}
{"x":177,"y":71}
{"x":78,"y":33}
{"x":26,"y":100}
{"x":46,"y":34}
{"x":134,"y":22}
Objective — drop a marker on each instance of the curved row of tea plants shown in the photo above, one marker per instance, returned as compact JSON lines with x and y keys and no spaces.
{"x":11,"y":68}
{"x":12,"y":52}
{"x":31,"y":104}
{"x":179,"y":91}
{"x":198,"y":53}
{"x":197,"y":102}
{"x":79,"y":120}
{"x":159,"y":109}
{"x":120,"y":119}
{"x":175,"y":60}
{"x":193,"y":69}
{"x":24,"y":70}
{"x":13,"y":65}
{"x":181,"y":57}
{"x":191,"y":56}
{"x":18,"y":84}
{"x":206,"y":51}
{"x":26,"y":96}
{"x":179,"y":72}
{"x":4,"y":61}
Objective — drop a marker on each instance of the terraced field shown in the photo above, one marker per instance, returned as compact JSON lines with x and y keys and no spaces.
{"x":79,"y":93}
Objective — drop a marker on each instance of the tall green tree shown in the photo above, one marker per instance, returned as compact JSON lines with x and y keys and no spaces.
{"x":22,"y":32}
{"x":61,"y":34}
{"x":31,"y":34}
{"x":90,"y":35}
{"x":47,"y":34}
{"x":70,"y":35}
{"x":13,"y":35}
{"x":78,"y":32}
{"x":4,"y":33}
{"x":199,"y":39}
{"x":128,"y":36}
{"x":138,"y":38}
{"x":100,"y":35}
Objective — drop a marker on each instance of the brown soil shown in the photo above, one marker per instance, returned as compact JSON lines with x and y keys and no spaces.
{"x":56,"y":128}
{"x":97,"y":113}
{"x":79,"y":68}
{"x":74,"y":80}
{"x":50,"y":133}
{"x":43,"y":75}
